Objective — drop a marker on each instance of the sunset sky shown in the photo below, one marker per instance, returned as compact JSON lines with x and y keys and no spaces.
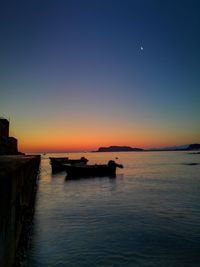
{"x":76,"y":75}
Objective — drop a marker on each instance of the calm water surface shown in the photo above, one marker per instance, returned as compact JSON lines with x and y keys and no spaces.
{"x":149,"y":215}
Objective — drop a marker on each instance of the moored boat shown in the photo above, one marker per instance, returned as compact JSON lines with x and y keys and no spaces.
{"x":57,"y":163}
{"x":77,"y":170}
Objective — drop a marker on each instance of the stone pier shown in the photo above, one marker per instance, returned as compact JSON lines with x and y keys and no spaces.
{"x":18,"y":181}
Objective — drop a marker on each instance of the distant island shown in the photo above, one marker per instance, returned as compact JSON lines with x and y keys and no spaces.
{"x":118,"y":149}
{"x":128,"y":148}
{"x":194,"y":147}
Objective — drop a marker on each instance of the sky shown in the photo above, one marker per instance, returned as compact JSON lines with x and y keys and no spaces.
{"x":79,"y":74}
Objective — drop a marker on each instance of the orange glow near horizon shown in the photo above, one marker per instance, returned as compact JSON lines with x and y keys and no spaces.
{"x":81,"y":141}
{"x":87,"y":133}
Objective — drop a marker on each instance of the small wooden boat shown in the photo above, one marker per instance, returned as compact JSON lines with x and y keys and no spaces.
{"x":77,"y":170}
{"x":57,"y":163}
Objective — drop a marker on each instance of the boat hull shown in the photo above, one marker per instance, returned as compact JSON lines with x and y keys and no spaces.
{"x":74,"y":171}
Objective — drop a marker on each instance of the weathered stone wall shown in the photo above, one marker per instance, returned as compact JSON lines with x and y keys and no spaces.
{"x":18,"y":180}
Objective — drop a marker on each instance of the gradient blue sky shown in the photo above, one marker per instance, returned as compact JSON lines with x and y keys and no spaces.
{"x":74,"y":77}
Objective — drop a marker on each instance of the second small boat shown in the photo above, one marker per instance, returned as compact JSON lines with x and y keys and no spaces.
{"x":57,"y":163}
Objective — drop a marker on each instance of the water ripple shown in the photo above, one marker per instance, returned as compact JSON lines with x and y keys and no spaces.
{"x":148,"y":216}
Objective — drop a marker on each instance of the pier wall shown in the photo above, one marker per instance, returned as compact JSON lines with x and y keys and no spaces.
{"x":18,"y":181}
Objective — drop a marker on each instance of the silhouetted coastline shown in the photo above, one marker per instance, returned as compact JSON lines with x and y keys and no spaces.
{"x":189,"y":147}
{"x":118,"y":149}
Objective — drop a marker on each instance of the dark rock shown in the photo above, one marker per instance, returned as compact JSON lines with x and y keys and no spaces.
{"x":194,"y":147}
{"x":118,"y":149}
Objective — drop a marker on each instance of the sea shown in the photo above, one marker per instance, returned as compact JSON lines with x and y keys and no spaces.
{"x":149,"y":215}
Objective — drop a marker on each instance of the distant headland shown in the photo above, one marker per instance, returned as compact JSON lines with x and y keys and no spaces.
{"x":118,"y":149}
{"x":194,"y":147}
{"x":128,"y":148}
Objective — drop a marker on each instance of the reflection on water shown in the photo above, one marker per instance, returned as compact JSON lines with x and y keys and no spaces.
{"x":149,"y":215}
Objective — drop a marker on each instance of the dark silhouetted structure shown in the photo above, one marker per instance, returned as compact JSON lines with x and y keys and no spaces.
{"x":8,"y":145}
{"x":18,"y":180}
{"x":4,"y":127}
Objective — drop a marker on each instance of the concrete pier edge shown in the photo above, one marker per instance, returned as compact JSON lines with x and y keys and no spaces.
{"x":18,"y":182}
